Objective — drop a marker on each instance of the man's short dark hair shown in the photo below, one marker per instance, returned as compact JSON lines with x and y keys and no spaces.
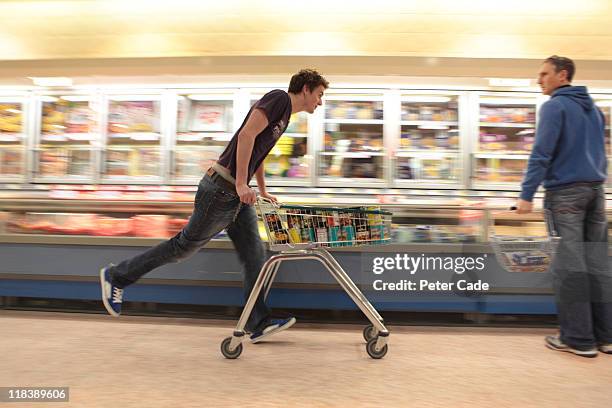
{"x":308,"y":77}
{"x":561,"y":64}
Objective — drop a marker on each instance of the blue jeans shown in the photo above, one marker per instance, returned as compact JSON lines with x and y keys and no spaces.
{"x":215,"y":209}
{"x":581,"y":274}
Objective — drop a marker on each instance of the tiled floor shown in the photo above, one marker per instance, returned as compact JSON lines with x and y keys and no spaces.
{"x":163,"y":362}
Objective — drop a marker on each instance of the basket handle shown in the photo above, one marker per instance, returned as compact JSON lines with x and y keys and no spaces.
{"x":548,"y":219}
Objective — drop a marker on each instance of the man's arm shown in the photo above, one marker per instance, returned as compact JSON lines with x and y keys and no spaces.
{"x":261,"y":183}
{"x":256,"y":123}
{"x":547,"y":137}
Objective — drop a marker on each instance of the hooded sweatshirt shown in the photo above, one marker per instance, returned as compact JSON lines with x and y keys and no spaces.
{"x":569,"y":144}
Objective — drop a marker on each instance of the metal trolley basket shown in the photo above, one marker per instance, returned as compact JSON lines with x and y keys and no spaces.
{"x":304,"y":232}
{"x":520,"y":254}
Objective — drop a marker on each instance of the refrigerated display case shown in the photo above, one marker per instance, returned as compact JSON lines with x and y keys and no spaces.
{"x":67,"y":138}
{"x":204,"y":126}
{"x":133,"y":143}
{"x":429,"y":147}
{"x":13,"y":138}
{"x":506,"y":132}
{"x":353,"y":147}
{"x":604,"y":103}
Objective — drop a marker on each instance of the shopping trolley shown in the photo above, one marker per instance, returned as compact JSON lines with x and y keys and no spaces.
{"x":520,"y":254}
{"x":305,"y":232}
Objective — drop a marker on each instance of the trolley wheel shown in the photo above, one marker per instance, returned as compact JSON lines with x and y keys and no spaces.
{"x":225,"y":350}
{"x":371,"y":349}
{"x":369,"y":333}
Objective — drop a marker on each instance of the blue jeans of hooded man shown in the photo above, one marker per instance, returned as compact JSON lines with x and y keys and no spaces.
{"x":582,"y":277}
{"x":215,"y":209}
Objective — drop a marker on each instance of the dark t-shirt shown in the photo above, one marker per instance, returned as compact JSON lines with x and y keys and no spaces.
{"x":276,"y":105}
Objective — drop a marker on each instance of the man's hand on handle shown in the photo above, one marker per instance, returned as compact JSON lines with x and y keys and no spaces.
{"x":269,"y":197}
{"x":524,"y":207}
{"x":247,"y":194}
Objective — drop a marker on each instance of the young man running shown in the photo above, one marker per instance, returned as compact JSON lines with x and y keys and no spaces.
{"x":224,"y":200}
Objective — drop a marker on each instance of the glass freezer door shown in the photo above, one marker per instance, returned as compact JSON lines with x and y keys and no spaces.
{"x":133,"y":140}
{"x":353,"y":147}
{"x":12,"y":141}
{"x":429,"y":145}
{"x":204,"y":126}
{"x":67,"y":138}
{"x":604,"y":103}
{"x":506,"y":132}
{"x":288,"y":163}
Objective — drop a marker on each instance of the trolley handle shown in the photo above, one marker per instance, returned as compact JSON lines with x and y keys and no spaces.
{"x":263,"y":200}
{"x":548,"y":219}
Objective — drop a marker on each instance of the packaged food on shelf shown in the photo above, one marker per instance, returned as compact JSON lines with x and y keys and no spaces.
{"x":149,"y":225}
{"x":11,"y":118}
{"x":11,"y":160}
{"x":175,"y":225}
{"x":53,"y":223}
{"x":53,"y":162}
{"x":113,"y":227}
{"x":354,"y":110}
{"x":117,"y":162}
{"x":209,"y":117}
{"x":506,"y":114}
{"x":133,"y":116}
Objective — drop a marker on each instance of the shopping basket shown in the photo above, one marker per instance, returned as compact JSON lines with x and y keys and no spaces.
{"x":305,"y":232}
{"x":533,"y":254}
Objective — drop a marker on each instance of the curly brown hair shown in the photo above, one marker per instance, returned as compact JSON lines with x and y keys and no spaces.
{"x":309,"y":77}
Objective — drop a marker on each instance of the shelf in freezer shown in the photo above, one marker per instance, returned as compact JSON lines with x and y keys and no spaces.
{"x":507,"y":125}
{"x":355,"y":121}
{"x":68,"y":137}
{"x":429,"y":124}
{"x":139,"y":136}
{"x":11,"y":137}
{"x":353,"y":154}
{"x":195,"y":137}
{"x":426,"y":153}
{"x":520,"y":156}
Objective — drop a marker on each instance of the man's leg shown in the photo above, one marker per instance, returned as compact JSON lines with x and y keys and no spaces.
{"x":570,"y":278}
{"x":214,"y":209}
{"x":600,"y":274}
{"x":244,"y":233}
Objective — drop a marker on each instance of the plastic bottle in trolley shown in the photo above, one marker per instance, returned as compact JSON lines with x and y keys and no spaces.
{"x":307,"y":232}
{"x":347,"y":227}
{"x":375,"y":222}
{"x":333,"y":222}
{"x":362,"y":227}
{"x":294,"y":227}
{"x":322,"y":236}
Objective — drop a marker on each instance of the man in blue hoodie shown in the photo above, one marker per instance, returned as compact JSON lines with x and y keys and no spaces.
{"x":569,"y":158}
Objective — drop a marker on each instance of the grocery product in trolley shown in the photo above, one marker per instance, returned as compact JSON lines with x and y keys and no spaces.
{"x":307,"y":232}
{"x":277,"y":232}
{"x":347,"y":229}
{"x":361,"y":226}
{"x":295,"y":226}
{"x":529,"y":258}
{"x":321,"y":229}
{"x":377,"y":226}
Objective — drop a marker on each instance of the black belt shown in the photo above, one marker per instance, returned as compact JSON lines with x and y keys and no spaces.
{"x":594,"y":184}
{"x":220,"y":181}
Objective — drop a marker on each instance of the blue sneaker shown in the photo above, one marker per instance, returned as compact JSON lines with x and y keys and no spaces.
{"x":273,"y":326}
{"x":112,"y":296}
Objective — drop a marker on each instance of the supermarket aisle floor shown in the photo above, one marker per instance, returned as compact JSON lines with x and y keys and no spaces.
{"x":163,"y":362}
